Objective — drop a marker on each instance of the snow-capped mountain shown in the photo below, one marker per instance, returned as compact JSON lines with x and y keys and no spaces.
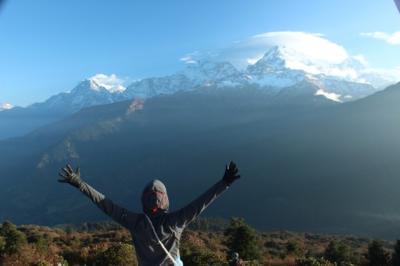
{"x":87,"y":93}
{"x":201,"y":74}
{"x":291,"y":67}
{"x":97,"y":90}
{"x":150,"y":87}
{"x":220,"y":74}
{"x":280,"y":67}
{"x":5,"y":106}
{"x":268,"y":61}
{"x":272,"y":71}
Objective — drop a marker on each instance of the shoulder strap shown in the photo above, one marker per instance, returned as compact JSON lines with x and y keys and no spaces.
{"x":159,"y":241}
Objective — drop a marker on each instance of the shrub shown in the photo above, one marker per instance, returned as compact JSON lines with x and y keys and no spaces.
{"x":14,"y":239}
{"x":116,"y":255}
{"x":338,"y":252}
{"x":201,"y":257}
{"x":243,"y":239}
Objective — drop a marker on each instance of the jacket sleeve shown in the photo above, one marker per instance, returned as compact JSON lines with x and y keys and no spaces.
{"x":117,"y":213}
{"x":184,"y":216}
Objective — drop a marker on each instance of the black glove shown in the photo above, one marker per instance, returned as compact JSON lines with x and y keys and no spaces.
{"x":231,"y":173}
{"x":70,"y":176}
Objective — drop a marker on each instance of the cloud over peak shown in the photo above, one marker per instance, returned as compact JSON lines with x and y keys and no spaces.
{"x":312,"y":53}
{"x":311,"y":46}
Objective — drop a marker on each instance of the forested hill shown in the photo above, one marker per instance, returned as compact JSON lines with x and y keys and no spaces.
{"x":206,"y":242}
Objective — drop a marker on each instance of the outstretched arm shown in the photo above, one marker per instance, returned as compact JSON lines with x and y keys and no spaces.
{"x":187,"y":214}
{"x":119,"y":214}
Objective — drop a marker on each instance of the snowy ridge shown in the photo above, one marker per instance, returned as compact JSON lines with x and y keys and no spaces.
{"x":280,"y":67}
{"x":270,"y":61}
{"x":271,"y":72}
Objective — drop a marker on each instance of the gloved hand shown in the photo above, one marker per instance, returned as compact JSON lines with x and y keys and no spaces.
{"x":231,"y":173}
{"x":70,"y":176}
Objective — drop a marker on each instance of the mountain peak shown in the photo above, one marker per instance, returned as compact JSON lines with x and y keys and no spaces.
{"x":273,"y":59}
{"x":111,"y":83}
{"x":100,"y":83}
{"x":88,"y":85}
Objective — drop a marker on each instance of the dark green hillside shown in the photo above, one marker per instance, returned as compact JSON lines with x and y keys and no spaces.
{"x":305,"y":167}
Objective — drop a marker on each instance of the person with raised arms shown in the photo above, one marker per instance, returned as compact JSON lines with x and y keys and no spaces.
{"x":156,"y":232}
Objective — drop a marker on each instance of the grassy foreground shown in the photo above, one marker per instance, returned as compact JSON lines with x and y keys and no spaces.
{"x":206,"y":242}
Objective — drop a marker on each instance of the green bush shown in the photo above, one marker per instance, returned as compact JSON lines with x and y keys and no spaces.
{"x":116,"y":255}
{"x":201,"y":257}
{"x":14,"y":239}
{"x":243,"y":239}
{"x":338,"y":252}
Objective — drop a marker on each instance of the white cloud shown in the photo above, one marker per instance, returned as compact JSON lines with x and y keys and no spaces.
{"x":361,"y":59}
{"x":188,"y":59}
{"x":329,"y":95}
{"x":191,"y":58}
{"x":380,"y":77}
{"x":112,"y":83}
{"x":310,"y":52}
{"x":6,"y":106}
{"x":313,"y":46}
{"x":390,"y":38}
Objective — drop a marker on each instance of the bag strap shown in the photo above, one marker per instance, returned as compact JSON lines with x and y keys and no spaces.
{"x":159,"y":241}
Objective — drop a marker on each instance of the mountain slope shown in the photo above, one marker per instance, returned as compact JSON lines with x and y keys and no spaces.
{"x":330,"y":168}
{"x":19,"y":121}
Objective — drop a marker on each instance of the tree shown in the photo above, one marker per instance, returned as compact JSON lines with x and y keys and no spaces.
{"x":338,"y":252}
{"x":377,"y":256}
{"x":396,"y":254}
{"x":14,"y":239}
{"x":243,"y":239}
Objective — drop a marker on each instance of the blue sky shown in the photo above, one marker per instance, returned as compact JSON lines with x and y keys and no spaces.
{"x":48,"y":46}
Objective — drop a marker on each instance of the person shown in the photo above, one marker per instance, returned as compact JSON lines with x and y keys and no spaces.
{"x":156,"y":233}
{"x":235,"y":260}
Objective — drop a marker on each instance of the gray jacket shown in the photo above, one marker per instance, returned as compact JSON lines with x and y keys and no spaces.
{"x":169,"y":226}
